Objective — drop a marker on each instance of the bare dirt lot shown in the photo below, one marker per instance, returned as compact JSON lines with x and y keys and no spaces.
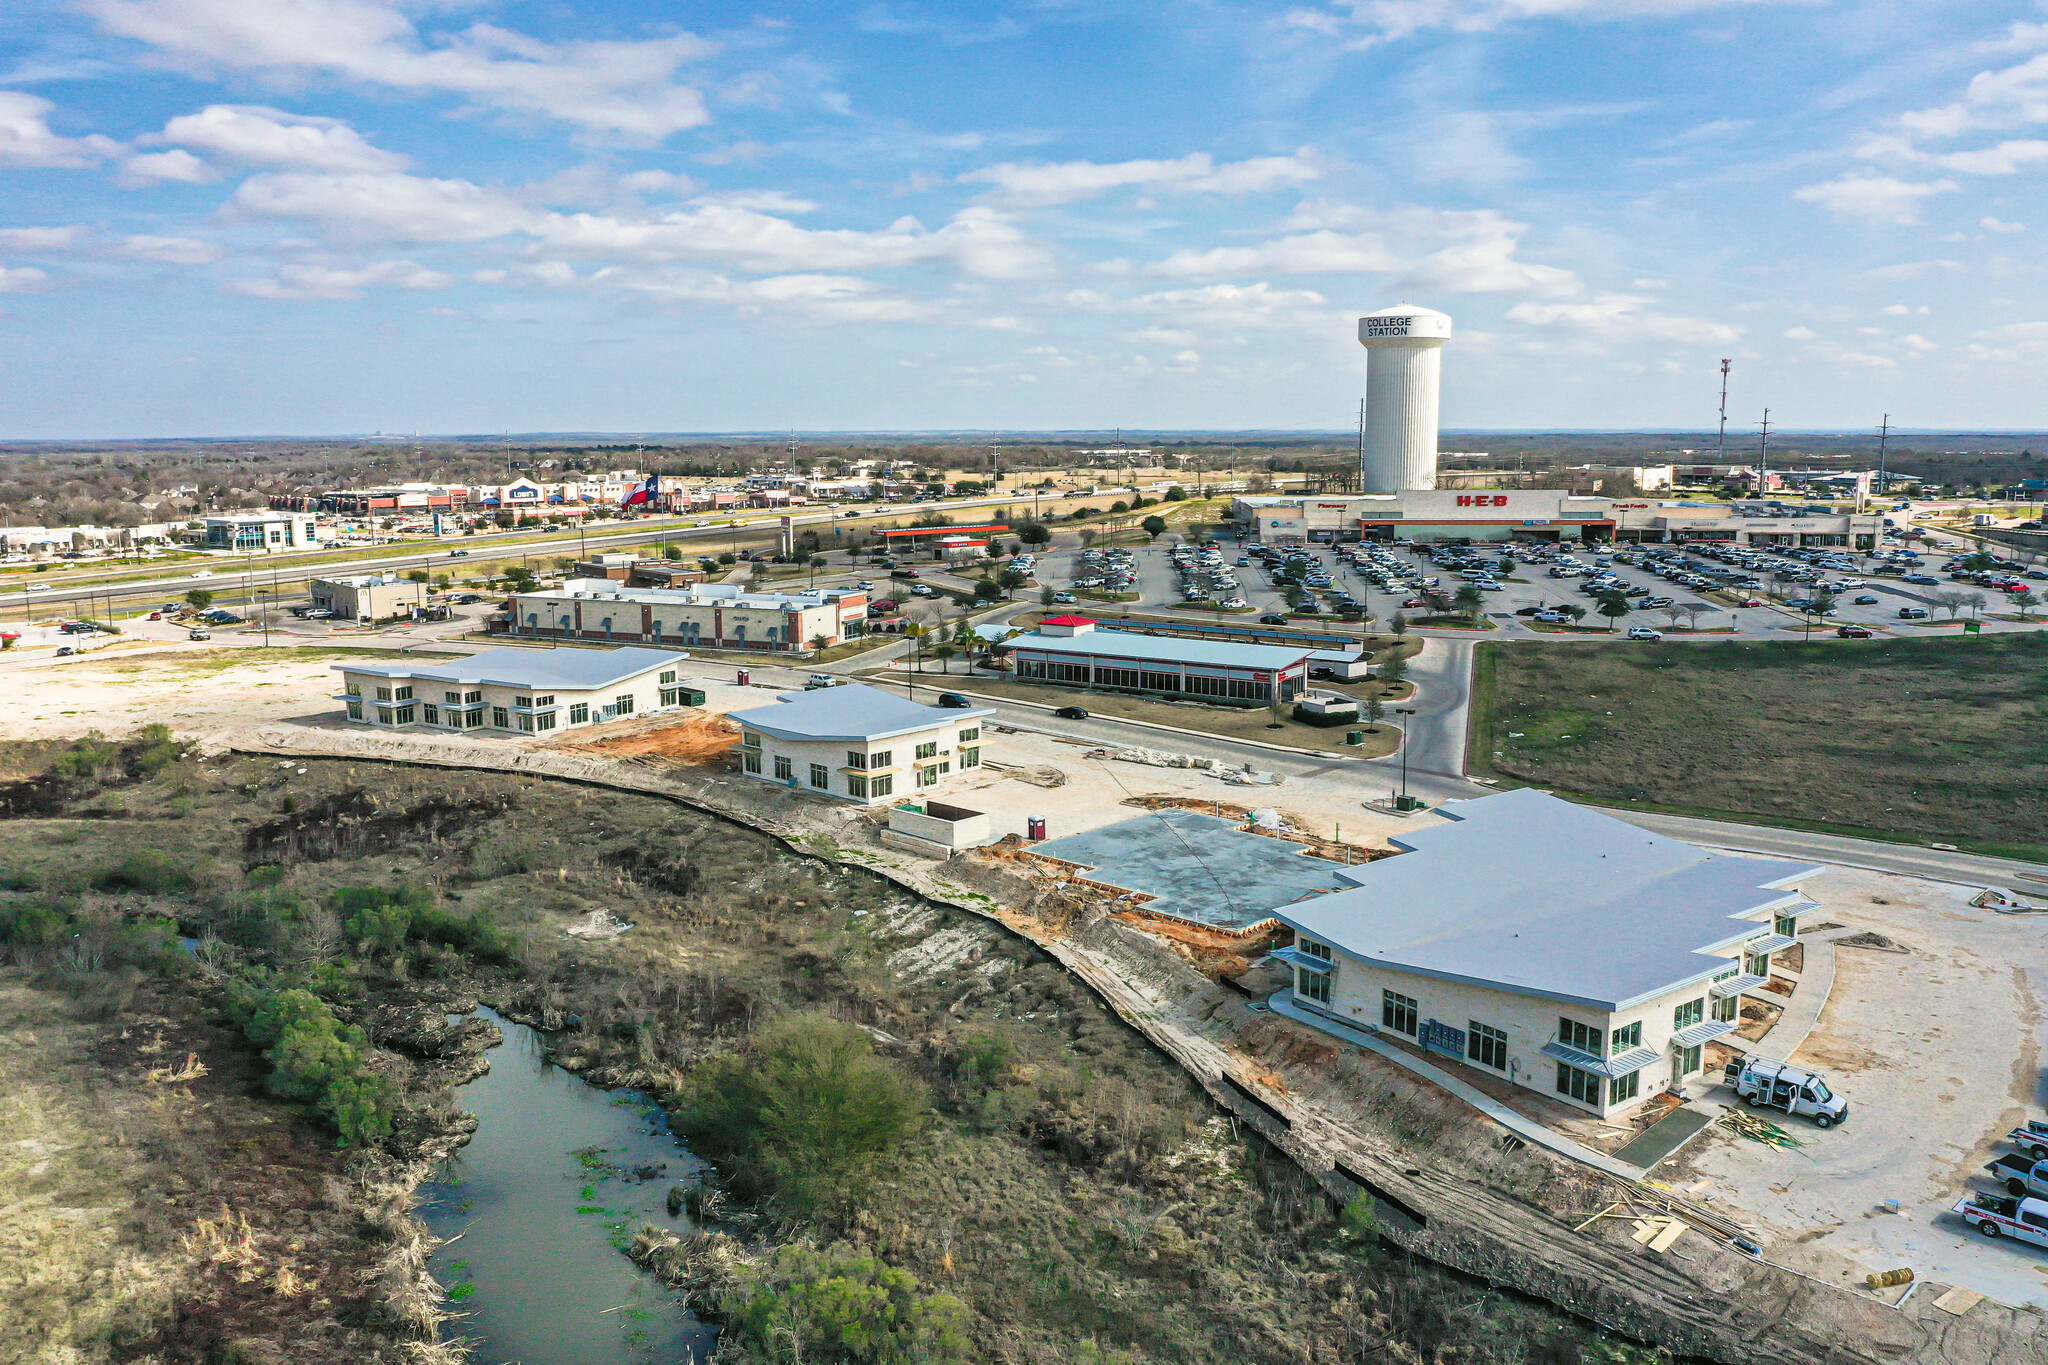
{"x":1937,"y":1049}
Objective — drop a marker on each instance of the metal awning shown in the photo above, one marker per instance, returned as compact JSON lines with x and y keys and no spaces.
{"x":1296,"y":957}
{"x":1702,"y":1033}
{"x":1635,"y":1059}
{"x":1736,"y":985}
{"x":1770,"y":943}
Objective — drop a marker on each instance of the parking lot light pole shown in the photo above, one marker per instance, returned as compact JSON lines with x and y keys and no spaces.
{"x":1404,"y":711}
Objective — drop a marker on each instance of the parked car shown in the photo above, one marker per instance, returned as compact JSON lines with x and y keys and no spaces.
{"x":1763,"y":1083}
{"x":1865,"y":600}
{"x":1912,"y":613}
{"x":1272,"y":619}
{"x":1853,"y":632}
{"x":1644,"y":633}
{"x":2020,"y":1175}
{"x":2024,"y":1220}
{"x":1071,"y":713}
{"x":199,"y":635}
{"x":953,"y":701}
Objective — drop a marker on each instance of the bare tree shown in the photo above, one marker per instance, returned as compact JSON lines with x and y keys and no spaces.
{"x":1676,"y":613}
{"x":1952,"y":601}
{"x":1975,"y":602}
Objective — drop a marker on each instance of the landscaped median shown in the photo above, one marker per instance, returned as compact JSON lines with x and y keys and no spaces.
{"x":1916,"y":741}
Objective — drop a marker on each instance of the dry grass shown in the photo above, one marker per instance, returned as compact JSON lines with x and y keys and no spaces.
{"x":1908,"y":739}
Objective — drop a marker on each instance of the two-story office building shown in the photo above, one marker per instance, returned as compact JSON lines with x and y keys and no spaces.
{"x":1556,"y":947}
{"x":513,"y":691}
{"x":858,"y":743}
{"x":696,"y":616}
{"x":265,"y":531}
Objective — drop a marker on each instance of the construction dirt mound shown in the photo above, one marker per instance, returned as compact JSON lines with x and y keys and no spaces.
{"x":696,"y":739}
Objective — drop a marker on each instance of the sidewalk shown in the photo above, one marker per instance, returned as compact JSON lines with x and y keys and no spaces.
{"x":1507,"y":1118}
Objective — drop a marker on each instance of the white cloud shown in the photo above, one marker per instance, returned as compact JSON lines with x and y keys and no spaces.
{"x":621,"y":87}
{"x":1218,"y":307}
{"x":1875,"y":198}
{"x":39,"y":238}
{"x":1466,"y":251}
{"x":26,"y":138}
{"x":826,"y":298}
{"x":1620,"y":317}
{"x":1913,"y":341}
{"x":766,"y":201}
{"x":152,"y":168}
{"x":171,"y":250}
{"x":405,"y":208}
{"x":384,"y":207}
{"x":1041,"y":184}
{"x":1911,"y":270}
{"x":256,"y":136}
{"x":1990,"y":224}
{"x":1800,"y":334}
{"x":304,"y":282}
{"x":1364,"y":23}
{"x":658,"y":182}
{"x":2004,"y":158}
{"x":20,"y":279}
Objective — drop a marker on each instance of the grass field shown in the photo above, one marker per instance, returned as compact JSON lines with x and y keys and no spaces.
{"x":1914,"y":740}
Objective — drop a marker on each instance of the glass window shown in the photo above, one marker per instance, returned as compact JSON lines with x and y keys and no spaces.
{"x":1788,"y":925}
{"x":405,"y":693}
{"x":526,"y":722}
{"x":1486,"y":1045}
{"x":383,"y":694}
{"x":969,"y":736}
{"x":355,"y":710}
{"x":930,"y":750}
{"x":1584,"y":1037}
{"x":544,"y":721}
{"x":881,"y":786}
{"x":1397,"y":1012}
{"x":501,"y":718}
{"x":671,"y":696}
{"x":752,"y":759}
{"x":431,"y":713}
{"x":623,"y":703}
{"x":354,"y":689}
{"x":523,"y":701}
{"x":856,"y":785}
{"x":1727,"y":1008}
{"x":883,"y":759}
{"x":548,"y":700}
{"x":970,"y":758}
{"x":1314,"y":949}
{"x":1687,"y":1063}
{"x":579,"y":713}
{"x":405,"y":715}
{"x":1688,"y":1014}
{"x":856,"y":759}
{"x":784,"y":768}
{"x":750,"y":739}
{"x":668,"y":675}
{"x":821,"y":777}
{"x":473,"y":698}
{"x":1624,"y":1087}
{"x":1582,"y":1086}
{"x":1628,"y":1036}
{"x":452,"y":698}
{"x":1312,"y":985}
{"x":1756,"y":964}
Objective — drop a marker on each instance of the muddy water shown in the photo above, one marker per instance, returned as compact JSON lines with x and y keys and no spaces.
{"x":559,"y":1176}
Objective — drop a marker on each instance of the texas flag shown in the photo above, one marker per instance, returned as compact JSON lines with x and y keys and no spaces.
{"x":642,"y":492}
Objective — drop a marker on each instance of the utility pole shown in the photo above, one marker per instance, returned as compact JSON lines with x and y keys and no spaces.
{"x":1361,"y":446}
{"x":1723,"y":447}
{"x":1884,"y":431}
{"x":1763,"y":473}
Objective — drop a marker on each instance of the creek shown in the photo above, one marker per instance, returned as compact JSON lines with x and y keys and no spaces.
{"x":556,"y":1180}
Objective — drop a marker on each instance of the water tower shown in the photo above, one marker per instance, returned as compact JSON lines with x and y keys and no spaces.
{"x":1403,"y":364}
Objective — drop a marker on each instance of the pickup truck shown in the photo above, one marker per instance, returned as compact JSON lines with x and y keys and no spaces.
{"x":2020,"y":1175}
{"x":2031,"y":1137}
{"x":2024,"y":1220}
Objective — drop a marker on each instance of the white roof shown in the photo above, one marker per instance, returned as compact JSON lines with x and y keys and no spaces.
{"x":1527,"y":893}
{"x":563,"y":668}
{"x":854,"y":712}
{"x":1173,"y":649}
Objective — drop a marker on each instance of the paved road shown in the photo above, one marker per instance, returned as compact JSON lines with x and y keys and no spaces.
{"x":2029,"y":879}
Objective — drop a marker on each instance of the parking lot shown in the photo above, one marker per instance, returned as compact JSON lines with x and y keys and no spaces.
{"x":1933,"y":1032}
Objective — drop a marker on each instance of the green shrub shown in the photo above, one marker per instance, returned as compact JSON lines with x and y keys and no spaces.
{"x":18,"y":879}
{"x":31,"y":926}
{"x":147,"y":871}
{"x":804,"y":1117}
{"x":318,"y":1060}
{"x":840,"y":1306}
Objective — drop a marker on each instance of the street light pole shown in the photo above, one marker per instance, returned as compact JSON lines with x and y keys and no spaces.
{"x":1404,"y":711}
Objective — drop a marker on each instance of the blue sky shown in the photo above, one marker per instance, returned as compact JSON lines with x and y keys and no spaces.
{"x":315,"y":216}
